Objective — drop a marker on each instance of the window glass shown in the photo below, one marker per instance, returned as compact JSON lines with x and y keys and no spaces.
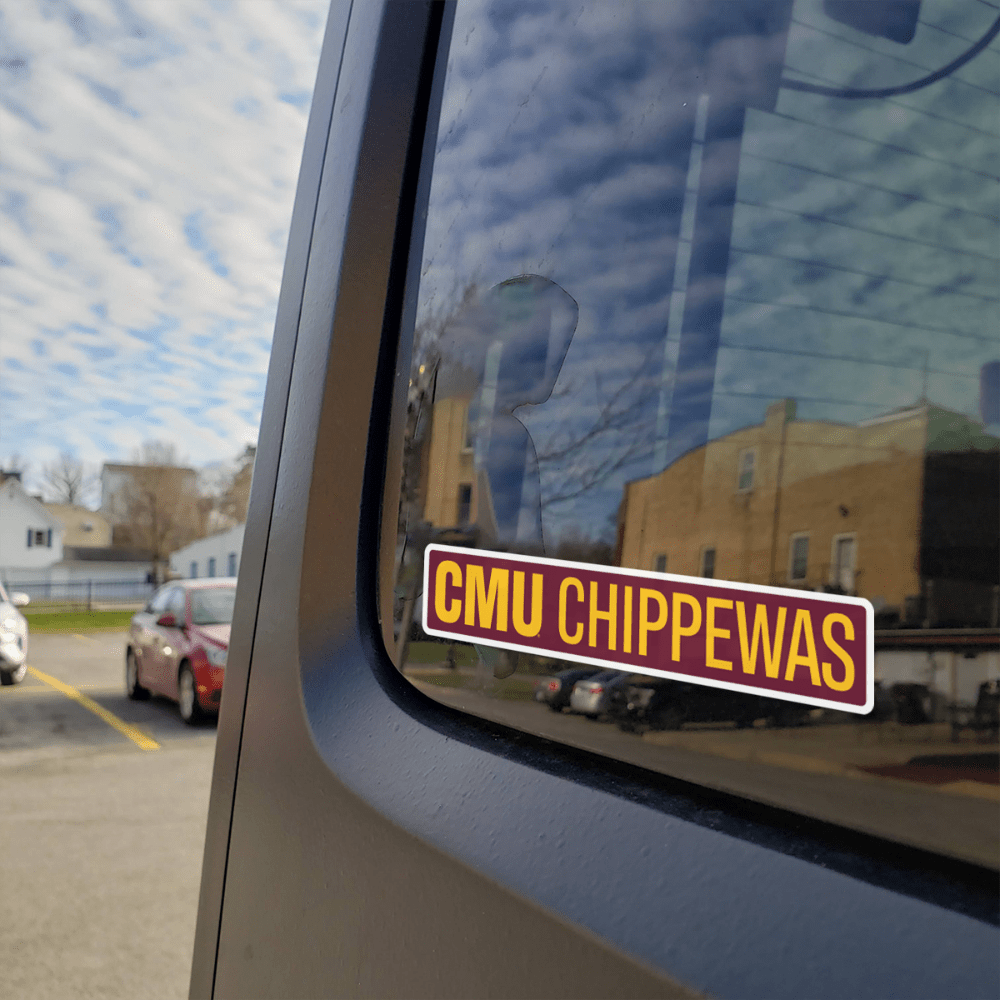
{"x":194,"y":571}
{"x":212,"y":605}
{"x":177,"y":605}
{"x":211,"y":566}
{"x":158,"y":604}
{"x":800,"y":557}
{"x":670,"y":244}
{"x":747,"y":460}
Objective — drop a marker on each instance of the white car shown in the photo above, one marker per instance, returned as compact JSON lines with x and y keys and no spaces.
{"x":13,"y":638}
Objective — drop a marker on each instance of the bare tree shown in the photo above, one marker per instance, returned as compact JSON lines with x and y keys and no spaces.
{"x":67,"y":480}
{"x":161,"y":501}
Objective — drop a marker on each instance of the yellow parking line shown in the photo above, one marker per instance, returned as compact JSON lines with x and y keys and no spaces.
{"x":139,"y":739}
{"x":85,"y":638}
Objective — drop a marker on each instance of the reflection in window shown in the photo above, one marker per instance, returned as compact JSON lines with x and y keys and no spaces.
{"x":464,"y":503}
{"x":708,"y":563}
{"x":747,"y":460}
{"x":800,"y":558}
{"x":843,"y":570}
{"x":690,"y":256}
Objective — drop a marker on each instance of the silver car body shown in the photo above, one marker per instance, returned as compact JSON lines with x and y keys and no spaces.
{"x":13,"y":636}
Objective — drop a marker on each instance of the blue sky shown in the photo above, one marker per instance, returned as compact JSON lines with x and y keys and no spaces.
{"x":151,"y":151}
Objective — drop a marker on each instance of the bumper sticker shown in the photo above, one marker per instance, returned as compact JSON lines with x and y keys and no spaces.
{"x":793,"y":645}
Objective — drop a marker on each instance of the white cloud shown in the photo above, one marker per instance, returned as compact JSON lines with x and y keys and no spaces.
{"x":151,"y":155}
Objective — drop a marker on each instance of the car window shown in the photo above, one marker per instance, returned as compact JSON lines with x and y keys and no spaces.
{"x":714,"y":288}
{"x":212,"y":606}
{"x":158,"y":602}
{"x":177,"y":604}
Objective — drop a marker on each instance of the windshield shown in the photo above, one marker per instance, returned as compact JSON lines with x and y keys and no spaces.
{"x":213,"y":607}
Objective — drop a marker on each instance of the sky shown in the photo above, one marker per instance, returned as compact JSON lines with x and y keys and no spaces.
{"x":862,"y":237}
{"x":150,"y":156}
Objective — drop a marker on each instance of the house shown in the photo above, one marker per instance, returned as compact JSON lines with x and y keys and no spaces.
{"x":217,"y":555}
{"x":120,"y":483}
{"x":31,"y":538}
{"x":83,"y":527}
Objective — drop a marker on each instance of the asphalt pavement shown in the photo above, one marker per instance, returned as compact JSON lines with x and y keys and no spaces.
{"x":103,"y":803}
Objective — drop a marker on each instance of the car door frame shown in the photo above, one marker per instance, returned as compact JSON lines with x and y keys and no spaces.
{"x":408,"y":821}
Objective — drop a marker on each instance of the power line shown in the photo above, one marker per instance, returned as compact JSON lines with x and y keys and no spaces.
{"x":867,"y":274}
{"x":954,"y":34}
{"x":888,"y":145}
{"x":863,"y":318}
{"x":906,"y":88}
{"x":897,"y":366}
{"x":874,"y":187}
{"x":814,"y":217}
{"x":913,"y":108}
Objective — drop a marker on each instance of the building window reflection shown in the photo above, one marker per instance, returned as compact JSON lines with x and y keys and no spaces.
{"x":748,"y":460}
{"x":708,"y":563}
{"x":464,"y":503}
{"x":799,"y":564}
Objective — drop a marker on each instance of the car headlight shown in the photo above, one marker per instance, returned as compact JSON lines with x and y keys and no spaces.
{"x":216,"y":656}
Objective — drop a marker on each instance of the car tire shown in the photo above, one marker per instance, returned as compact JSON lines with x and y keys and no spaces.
{"x":14,"y":675}
{"x":133,"y":688}
{"x":187,"y":696}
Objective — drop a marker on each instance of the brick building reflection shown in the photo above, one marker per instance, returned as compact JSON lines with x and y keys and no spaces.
{"x":901,"y":509}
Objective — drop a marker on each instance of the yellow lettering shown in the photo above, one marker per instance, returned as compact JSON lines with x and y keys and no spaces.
{"x":475,"y":594}
{"x":645,"y":625}
{"x":762,"y":638}
{"x":627,"y":637}
{"x":712,"y":633}
{"x":802,"y":629}
{"x":534,"y":626}
{"x":445,"y":611}
{"x":610,"y":616}
{"x":679,"y":629}
{"x":828,"y":622}
{"x":569,"y":581}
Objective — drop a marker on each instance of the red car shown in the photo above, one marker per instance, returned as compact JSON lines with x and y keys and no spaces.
{"x":177,"y":645}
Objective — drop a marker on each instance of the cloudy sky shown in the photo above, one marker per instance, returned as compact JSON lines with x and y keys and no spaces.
{"x":150,"y":155}
{"x":862,"y":253}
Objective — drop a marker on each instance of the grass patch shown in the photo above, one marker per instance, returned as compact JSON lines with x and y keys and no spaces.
{"x":437,"y":652}
{"x":76,"y":621}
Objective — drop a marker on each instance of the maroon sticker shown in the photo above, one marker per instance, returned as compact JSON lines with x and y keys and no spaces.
{"x":816,"y":649}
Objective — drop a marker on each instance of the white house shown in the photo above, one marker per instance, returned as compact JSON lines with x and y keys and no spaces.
{"x":31,"y":539}
{"x":217,"y":555}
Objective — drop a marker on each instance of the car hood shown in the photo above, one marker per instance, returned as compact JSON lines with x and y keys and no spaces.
{"x":218,"y":634}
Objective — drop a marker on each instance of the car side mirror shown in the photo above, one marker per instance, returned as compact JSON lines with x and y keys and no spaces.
{"x":167,"y":620}
{"x":19,"y":600}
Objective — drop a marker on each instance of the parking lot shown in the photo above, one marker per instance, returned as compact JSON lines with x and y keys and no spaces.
{"x":102,"y":824}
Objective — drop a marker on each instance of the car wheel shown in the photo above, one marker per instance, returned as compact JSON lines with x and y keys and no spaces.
{"x":13,"y":676}
{"x":187,"y":695}
{"x":133,"y":688}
